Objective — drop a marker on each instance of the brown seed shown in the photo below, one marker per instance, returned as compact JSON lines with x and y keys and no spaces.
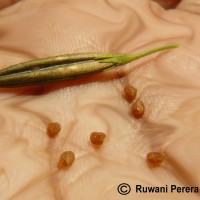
{"x":155,"y":158}
{"x":53,"y":129}
{"x":66,"y":159}
{"x":130,"y":93}
{"x":97,"y":138}
{"x":138,"y":109}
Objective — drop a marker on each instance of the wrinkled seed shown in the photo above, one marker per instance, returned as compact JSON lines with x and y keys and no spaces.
{"x":137,"y":109}
{"x":130,"y":92}
{"x":155,"y":158}
{"x":53,"y":129}
{"x":66,"y":159}
{"x":97,"y":138}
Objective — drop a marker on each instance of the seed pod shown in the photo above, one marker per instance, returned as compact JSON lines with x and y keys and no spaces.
{"x":66,"y":67}
{"x":155,"y":158}
{"x":66,"y":159}
{"x":53,"y":129}
{"x":97,"y":138}
{"x":137,"y":109}
{"x":130,"y":93}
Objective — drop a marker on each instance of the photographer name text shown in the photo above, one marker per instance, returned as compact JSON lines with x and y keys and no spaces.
{"x":166,"y":189}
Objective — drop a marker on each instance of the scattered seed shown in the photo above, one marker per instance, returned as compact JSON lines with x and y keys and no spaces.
{"x":155,"y":158}
{"x":130,"y":93}
{"x":53,"y":129}
{"x":66,"y":159}
{"x":97,"y":138}
{"x":138,"y":109}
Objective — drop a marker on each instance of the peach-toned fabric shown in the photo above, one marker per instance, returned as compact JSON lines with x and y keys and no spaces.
{"x":168,"y":84}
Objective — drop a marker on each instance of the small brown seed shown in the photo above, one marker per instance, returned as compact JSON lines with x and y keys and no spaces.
{"x":66,"y":159}
{"x":97,"y":138}
{"x":53,"y":129}
{"x":155,"y":158}
{"x":130,"y":93}
{"x":138,"y":109}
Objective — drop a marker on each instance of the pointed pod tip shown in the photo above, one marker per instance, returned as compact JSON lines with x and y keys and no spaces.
{"x":171,"y":46}
{"x":120,"y":59}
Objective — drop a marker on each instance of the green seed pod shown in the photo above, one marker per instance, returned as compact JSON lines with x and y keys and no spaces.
{"x":65,"y":67}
